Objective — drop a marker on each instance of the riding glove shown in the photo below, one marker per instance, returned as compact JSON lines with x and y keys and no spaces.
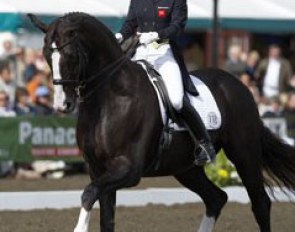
{"x":119,"y":37}
{"x":147,"y":38}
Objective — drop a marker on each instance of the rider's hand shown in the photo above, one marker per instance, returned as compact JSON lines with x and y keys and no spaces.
{"x":147,"y":38}
{"x":119,"y":37}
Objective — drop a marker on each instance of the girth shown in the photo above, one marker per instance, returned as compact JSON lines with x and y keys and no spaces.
{"x":168,"y":131}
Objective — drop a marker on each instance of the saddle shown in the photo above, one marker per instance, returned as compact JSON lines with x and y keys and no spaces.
{"x":129,"y":48}
{"x":172,"y":116}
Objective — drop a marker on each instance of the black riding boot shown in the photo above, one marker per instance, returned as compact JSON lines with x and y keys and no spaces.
{"x":197,"y":130}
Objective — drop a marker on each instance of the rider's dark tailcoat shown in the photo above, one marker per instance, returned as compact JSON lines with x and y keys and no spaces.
{"x":167,"y":17}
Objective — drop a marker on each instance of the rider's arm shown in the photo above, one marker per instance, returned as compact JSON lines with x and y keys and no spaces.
{"x":178,"y":20}
{"x":130,"y":24}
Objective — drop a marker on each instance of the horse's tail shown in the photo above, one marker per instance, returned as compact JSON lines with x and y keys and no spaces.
{"x":278,"y":160}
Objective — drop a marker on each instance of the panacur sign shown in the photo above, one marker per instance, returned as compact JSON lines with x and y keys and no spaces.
{"x":46,"y":135}
{"x":24,"y":139}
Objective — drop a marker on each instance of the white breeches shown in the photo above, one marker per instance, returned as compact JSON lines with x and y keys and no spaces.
{"x":164,"y":62}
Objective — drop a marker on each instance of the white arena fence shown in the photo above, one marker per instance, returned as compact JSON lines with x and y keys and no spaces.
{"x":128,"y":198}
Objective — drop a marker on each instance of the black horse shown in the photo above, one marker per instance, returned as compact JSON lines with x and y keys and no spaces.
{"x":119,"y":126}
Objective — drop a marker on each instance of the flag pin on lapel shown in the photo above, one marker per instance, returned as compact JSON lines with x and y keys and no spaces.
{"x":162,"y":12}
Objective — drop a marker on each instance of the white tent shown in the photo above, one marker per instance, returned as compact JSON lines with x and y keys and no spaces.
{"x":59,"y":7}
{"x":251,"y":9}
{"x":253,"y":15}
{"x":8,"y":8}
{"x":13,"y":15}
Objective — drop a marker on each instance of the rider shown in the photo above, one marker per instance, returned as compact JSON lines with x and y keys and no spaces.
{"x":158,"y":22}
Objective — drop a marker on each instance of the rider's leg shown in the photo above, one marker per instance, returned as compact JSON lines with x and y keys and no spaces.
{"x":170,"y":72}
{"x":196,"y":127}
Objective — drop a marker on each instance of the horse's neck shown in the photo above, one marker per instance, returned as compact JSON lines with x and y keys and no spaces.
{"x":122,"y":105}
{"x":103,"y":110}
{"x":104,"y":56}
{"x":121,"y":83}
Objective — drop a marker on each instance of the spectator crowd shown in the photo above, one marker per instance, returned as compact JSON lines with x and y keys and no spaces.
{"x":25,"y":90}
{"x":25,"y":86}
{"x":271,"y":80}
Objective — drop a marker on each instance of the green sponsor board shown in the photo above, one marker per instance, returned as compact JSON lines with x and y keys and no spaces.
{"x":25,"y":139}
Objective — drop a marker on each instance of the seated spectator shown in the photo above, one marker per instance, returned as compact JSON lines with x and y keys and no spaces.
{"x":40,"y":61}
{"x":6,"y":167}
{"x":252,"y":63}
{"x":30,"y":66}
{"x":19,"y":69}
{"x":289,"y":114}
{"x":275,"y":110}
{"x":10,"y":51}
{"x":292,"y":84}
{"x":4,"y":105}
{"x":43,"y":104}
{"x":6,"y":80}
{"x":38,"y":79}
{"x":274,"y":73}
{"x":23,"y":106}
{"x":246,"y":80}
{"x":234,"y":64}
{"x":29,"y":72}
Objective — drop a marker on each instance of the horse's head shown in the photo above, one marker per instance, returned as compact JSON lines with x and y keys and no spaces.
{"x":74,"y":46}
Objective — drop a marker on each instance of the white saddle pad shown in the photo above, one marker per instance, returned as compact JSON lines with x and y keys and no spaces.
{"x":204,"y":104}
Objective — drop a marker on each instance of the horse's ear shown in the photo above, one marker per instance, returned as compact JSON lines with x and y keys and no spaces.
{"x":38,"y":23}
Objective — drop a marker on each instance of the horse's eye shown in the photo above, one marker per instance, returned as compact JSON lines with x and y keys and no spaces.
{"x":49,"y":48}
{"x":57,"y":41}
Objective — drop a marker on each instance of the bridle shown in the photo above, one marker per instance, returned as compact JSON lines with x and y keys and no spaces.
{"x":81,"y":84}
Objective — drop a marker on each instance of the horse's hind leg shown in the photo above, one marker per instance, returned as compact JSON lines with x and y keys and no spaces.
{"x":246,"y":159}
{"x":107,"y":204}
{"x":214,"y":198}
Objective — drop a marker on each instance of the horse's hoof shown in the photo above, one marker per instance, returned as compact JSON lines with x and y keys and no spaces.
{"x":80,"y":229}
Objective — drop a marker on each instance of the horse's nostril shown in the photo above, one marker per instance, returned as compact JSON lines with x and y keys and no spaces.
{"x":69,"y":106}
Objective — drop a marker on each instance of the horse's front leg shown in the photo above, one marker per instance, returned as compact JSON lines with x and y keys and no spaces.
{"x":89,"y":197}
{"x":107,"y":204}
{"x":119,"y":174}
{"x":83,"y":222}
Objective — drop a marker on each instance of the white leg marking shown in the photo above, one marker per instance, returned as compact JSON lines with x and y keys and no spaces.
{"x":59,"y":94}
{"x":83,"y":222}
{"x":207,"y":224}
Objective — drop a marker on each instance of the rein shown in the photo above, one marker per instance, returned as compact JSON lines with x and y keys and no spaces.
{"x":109,"y":71}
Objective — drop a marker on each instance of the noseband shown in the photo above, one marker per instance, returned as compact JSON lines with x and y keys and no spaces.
{"x":80,"y":85}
